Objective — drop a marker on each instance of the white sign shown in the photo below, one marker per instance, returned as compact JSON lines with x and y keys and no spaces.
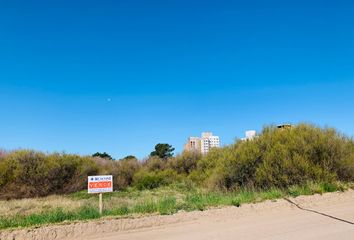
{"x":100,"y":184}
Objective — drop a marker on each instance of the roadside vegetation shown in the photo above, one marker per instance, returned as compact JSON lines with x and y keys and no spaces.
{"x":133,"y":202}
{"x":38,"y":188}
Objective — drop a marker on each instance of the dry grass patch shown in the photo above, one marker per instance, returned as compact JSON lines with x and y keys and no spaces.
{"x":29,"y":206}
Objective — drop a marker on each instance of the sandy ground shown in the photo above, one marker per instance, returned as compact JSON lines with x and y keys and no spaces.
{"x":330,"y":216}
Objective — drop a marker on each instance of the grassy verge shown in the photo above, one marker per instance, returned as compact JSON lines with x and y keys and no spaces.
{"x":166,"y":200}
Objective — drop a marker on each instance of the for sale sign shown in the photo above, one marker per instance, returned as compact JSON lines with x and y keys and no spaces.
{"x":100,"y":184}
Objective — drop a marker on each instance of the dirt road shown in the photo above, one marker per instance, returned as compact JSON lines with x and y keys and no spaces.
{"x":329,"y":219}
{"x":330,"y":216}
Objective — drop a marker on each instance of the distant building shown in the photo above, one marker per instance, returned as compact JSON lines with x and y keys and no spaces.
{"x":193,"y":144}
{"x":284,"y":126}
{"x":202,"y":144}
{"x":249,"y":135}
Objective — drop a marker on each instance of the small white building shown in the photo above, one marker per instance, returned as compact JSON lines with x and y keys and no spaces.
{"x":250,"y":134}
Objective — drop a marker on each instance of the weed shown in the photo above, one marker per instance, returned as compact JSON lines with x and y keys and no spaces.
{"x":145,"y":207}
{"x":119,"y":211}
{"x":271,"y":194}
{"x":329,"y":187}
{"x":236,"y":202}
{"x":194,"y":201}
{"x":167,"y":206}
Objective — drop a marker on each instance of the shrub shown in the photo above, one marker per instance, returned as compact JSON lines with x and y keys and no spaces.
{"x":236,"y":202}
{"x":184,"y":163}
{"x":123,"y":172}
{"x":27,"y":173}
{"x":154,"y":163}
{"x":150,"y":180}
{"x":281,"y":158}
{"x":147,"y":180}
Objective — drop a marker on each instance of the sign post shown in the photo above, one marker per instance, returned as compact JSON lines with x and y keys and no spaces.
{"x":100,"y":184}
{"x":100,"y":203}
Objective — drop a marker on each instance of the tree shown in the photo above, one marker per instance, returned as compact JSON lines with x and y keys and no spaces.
{"x":103,"y":155}
{"x":128,"y":157}
{"x":163,"y":150}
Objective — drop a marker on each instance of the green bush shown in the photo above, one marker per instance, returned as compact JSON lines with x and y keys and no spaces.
{"x":123,"y":172}
{"x":281,"y":158}
{"x":154,"y":163}
{"x":147,"y":180}
{"x":150,"y":180}
{"x":184,"y":163}
{"x":27,"y":173}
{"x":236,"y":202}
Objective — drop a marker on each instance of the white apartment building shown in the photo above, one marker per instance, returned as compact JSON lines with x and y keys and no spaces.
{"x":202,"y":144}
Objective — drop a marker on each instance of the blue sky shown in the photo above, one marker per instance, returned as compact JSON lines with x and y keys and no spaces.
{"x":121,"y":76}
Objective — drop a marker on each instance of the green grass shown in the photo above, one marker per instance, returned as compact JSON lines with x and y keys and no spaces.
{"x":164,"y":201}
{"x":55,"y":216}
{"x":167,"y":205}
{"x":118,"y":211}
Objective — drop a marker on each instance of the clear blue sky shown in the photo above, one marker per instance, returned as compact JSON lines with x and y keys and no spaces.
{"x":121,"y":76}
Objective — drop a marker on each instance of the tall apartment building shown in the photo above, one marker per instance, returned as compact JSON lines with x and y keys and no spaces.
{"x":193,"y":144}
{"x":202,"y":144}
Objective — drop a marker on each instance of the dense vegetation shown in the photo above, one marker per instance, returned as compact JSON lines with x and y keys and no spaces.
{"x":277,"y":158}
{"x":281,"y":158}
